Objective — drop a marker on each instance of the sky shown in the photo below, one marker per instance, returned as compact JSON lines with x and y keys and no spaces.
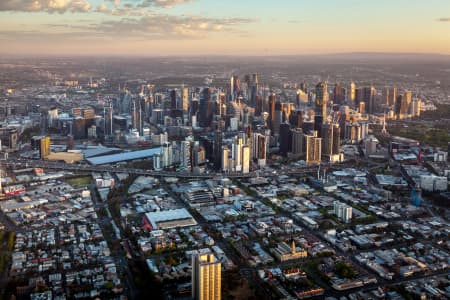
{"x":222,"y":27}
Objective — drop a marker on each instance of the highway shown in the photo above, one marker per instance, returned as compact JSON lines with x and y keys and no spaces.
{"x":30,"y":163}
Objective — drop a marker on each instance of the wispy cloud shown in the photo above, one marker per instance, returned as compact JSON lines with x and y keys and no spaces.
{"x":50,"y":6}
{"x":114,"y":7}
{"x":163,"y":3}
{"x":149,"y":27}
{"x":443,"y":20}
{"x":163,"y":26}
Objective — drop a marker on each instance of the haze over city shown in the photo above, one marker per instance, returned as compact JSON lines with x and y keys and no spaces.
{"x":233,"y":27}
{"x":224,"y":149}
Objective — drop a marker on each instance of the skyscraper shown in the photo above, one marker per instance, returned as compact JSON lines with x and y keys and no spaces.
{"x":389,"y":96}
{"x":185,"y":155}
{"x":206,"y":277}
{"x":245,"y":159}
{"x":206,"y":109}
{"x":185,"y":98}
{"x":272,"y":100}
{"x":278,"y":118}
{"x":297,"y":141}
{"x":401,"y":106}
{"x":313,"y":148}
{"x":369,"y":94}
{"x":285,"y":139}
{"x":322,"y":99}
{"x":331,"y":136}
{"x":296,"y":119}
{"x":351,"y":93}
{"x":339,"y":93}
{"x":173,"y":100}
{"x":218,"y":150}
{"x":224,"y":158}
{"x":259,"y":148}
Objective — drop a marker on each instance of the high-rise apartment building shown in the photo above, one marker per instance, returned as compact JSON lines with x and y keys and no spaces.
{"x":206,"y":277}
{"x":313,"y":148}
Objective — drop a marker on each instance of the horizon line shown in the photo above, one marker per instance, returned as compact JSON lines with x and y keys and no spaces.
{"x":211,"y":55}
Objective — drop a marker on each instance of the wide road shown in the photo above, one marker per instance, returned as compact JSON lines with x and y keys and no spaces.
{"x":30,"y":163}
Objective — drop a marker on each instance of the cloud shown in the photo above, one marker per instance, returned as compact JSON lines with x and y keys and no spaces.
{"x":115,"y":2}
{"x":443,"y":20}
{"x":163,"y":26}
{"x":145,"y":28}
{"x":163,"y":3}
{"x":51,"y":6}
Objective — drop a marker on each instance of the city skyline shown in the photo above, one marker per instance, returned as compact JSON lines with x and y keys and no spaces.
{"x":205,"y":27}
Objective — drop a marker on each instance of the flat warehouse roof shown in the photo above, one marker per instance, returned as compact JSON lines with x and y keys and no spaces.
{"x":115,"y":158}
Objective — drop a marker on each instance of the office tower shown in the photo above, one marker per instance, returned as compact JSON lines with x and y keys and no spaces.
{"x":108,"y":120}
{"x":296,"y":119}
{"x":236,"y":87}
{"x":322,"y":99}
{"x":254,"y":89}
{"x":369,"y":94}
{"x":287,"y":109}
{"x":313,"y":148}
{"x":194,"y":107}
{"x":259,"y":105}
{"x":8,"y":138}
{"x":285,"y":139}
{"x":353,"y":132}
{"x":259,"y":148}
{"x":416,"y":106}
{"x":393,"y":93}
{"x":297,"y":141}
{"x":166,"y":155}
{"x":44,"y":147}
{"x":245,"y":159}
{"x":408,"y":97}
{"x":237,"y":153}
{"x":184,"y":98}
{"x":401,"y":106}
{"x":359,"y":97}
{"x":185,"y":155}
{"x":224,"y":158}
{"x":336,"y":139}
{"x":278,"y":118}
{"x":338,"y":94}
{"x":221,"y":106}
{"x":327,"y":139}
{"x":206,"y":108}
{"x":52,"y":116}
{"x":272,"y":100}
{"x":318,"y":121}
{"x":173,"y":100}
{"x":351,"y":96}
{"x":206,"y":277}
{"x":389,"y":96}
{"x":217,"y":149}
{"x":331,"y":139}
{"x":136,"y":116}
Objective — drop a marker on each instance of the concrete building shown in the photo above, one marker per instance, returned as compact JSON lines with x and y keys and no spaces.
{"x":206,"y":277}
{"x":313,"y":148}
{"x":245,"y":159}
{"x":9,"y":138}
{"x":297,"y":141}
{"x":343,"y":211}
